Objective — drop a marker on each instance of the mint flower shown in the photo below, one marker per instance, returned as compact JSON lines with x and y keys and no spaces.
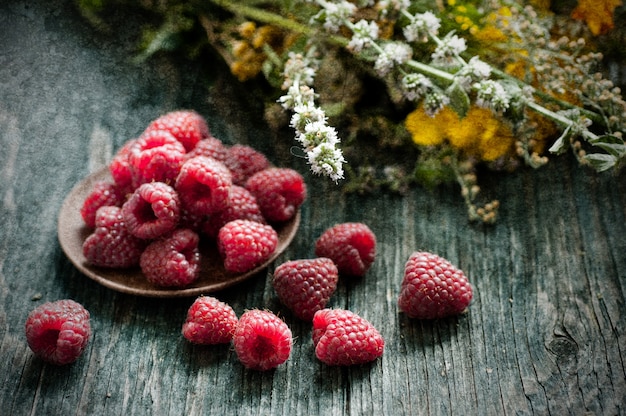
{"x":364,"y":34}
{"x":415,"y":86}
{"x":491,"y":94}
{"x":393,"y":53}
{"x":421,"y":27}
{"x":326,"y":159}
{"x":334,"y":15}
{"x":448,"y":50}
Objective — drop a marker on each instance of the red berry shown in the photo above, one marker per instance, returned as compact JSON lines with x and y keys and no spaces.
{"x":120,"y":168}
{"x":188,"y":127}
{"x":152,"y":210}
{"x":111,"y":245}
{"x":242,"y":205}
{"x":262,"y":340}
{"x":279,"y":192}
{"x":203,"y":185}
{"x":243,"y":162}
{"x":351,"y":245}
{"x":245,"y":244}
{"x":209,"y":147}
{"x":209,"y":322}
{"x":433,"y":288}
{"x":104,"y":193}
{"x":58,"y":332}
{"x":342,"y":337}
{"x":173,"y":261}
{"x":155,"y":156}
{"x":305,"y":286}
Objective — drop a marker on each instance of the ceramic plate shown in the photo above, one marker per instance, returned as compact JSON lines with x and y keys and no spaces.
{"x":73,"y":232}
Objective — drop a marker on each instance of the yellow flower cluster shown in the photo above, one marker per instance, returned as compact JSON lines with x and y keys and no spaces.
{"x":250,"y":52}
{"x":479,"y":133}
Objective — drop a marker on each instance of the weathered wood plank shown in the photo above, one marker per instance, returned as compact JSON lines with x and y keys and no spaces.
{"x":545,"y":333}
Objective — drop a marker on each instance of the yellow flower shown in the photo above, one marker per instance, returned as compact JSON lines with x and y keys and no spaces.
{"x":429,"y":131}
{"x":479,"y":133}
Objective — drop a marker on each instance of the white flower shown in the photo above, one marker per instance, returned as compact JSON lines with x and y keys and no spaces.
{"x":296,"y":95}
{"x":491,"y":94}
{"x":392,"y":53}
{"x":474,"y":70}
{"x":298,"y":67}
{"x":326,"y":159}
{"x":385,"y":6}
{"x":415,"y":86}
{"x":435,"y":101}
{"x":448,"y":50}
{"x":364,"y":34}
{"x":316,"y":133}
{"x":421,"y":26}
{"x":335,"y":14}
{"x":306,"y":113}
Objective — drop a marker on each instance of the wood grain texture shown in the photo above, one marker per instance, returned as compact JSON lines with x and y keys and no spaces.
{"x":545,"y":334}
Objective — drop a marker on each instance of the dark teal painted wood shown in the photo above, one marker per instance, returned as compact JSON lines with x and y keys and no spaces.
{"x":544,"y":335}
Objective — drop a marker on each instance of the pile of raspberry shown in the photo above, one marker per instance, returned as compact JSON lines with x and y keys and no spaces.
{"x":175,"y":185}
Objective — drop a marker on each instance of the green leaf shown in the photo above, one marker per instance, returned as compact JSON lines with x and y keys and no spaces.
{"x":459,"y":100}
{"x":559,"y":145}
{"x":601,"y":161}
{"x":611,"y":144}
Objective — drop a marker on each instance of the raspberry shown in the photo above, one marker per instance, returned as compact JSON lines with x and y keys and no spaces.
{"x":245,"y":244}
{"x":152,"y":210}
{"x":305,"y":286}
{"x":120,"y":168}
{"x":188,"y":127}
{"x":203,"y":185}
{"x":173,"y":261}
{"x":262,"y":340}
{"x":103,"y":193}
{"x":209,"y":147}
{"x":351,"y":245}
{"x":111,"y":245}
{"x":342,"y":337}
{"x":59,"y":331}
{"x":242,"y":205}
{"x":244,"y":161}
{"x":209,"y":322}
{"x":155,"y":156}
{"x":433,"y":288}
{"x":279,"y":192}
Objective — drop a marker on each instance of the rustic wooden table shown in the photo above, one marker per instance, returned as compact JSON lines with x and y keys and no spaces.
{"x":546,"y":332}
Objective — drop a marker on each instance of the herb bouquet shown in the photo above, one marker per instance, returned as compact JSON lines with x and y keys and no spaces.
{"x":450,"y":86}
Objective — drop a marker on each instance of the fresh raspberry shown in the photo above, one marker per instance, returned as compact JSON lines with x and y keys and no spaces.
{"x":203,"y":185}
{"x":305,"y":286}
{"x":111,"y":245}
{"x":245,"y":244}
{"x":103,"y":193}
{"x":155,"y":156}
{"x":242,"y":205}
{"x":152,"y":210}
{"x":351,"y":245}
{"x":244,"y":161}
{"x":342,"y":337}
{"x":209,"y":321}
{"x":59,"y":331}
{"x":120,"y":168}
{"x":172,"y":261}
{"x":210,"y":147}
{"x":262,"y":340}
{"x":188,"y":127}
{"x":279,"y":192}
{"x":433,"y":288}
